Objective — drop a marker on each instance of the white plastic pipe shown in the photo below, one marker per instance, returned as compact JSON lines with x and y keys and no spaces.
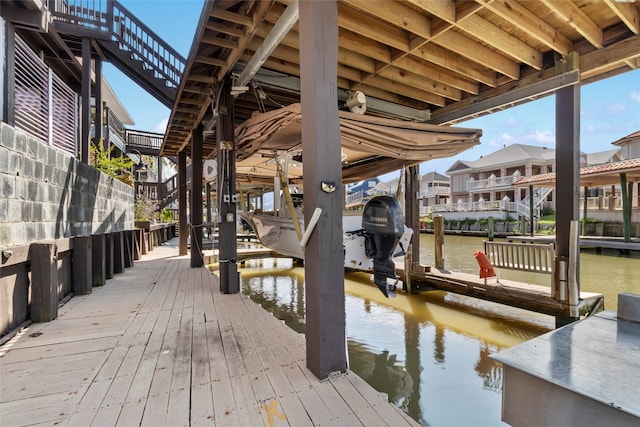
{"x":310,"y":227}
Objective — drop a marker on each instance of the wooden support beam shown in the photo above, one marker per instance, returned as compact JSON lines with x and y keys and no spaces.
{"x":82,"y":265}
{"x":98,"y":260}
{"x":324,"y":257}
{"x":567,"y":173}
{"x":108,"y":255}
{"x":197,"y":259}
{"x":438,"y":227}
{"x":44,"y":282}
{"x":118,"y":252}
{"x":86,"y":100}
{"x":626,"y":207}
{"x":128,"y":249}
{"x":182,"y":202}
{"x":226,"y":193}
{"x":412,"y":211}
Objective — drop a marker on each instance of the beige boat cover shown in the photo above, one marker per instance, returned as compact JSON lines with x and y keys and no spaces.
{"x":371,"y":146}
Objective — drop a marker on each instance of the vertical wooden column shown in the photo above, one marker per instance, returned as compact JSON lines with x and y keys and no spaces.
{"x":44,"y":282}
{"x":531,"y":205}
{"x":324,"y":257}
{"x":182,"y":203}
{"x":128,"y":248}
{"x":8,"y":113}
{"x":108,"y":255}
{"x":412,"y":211}
{"x":226,"y":186}
{"x":585,"y":206}
{"x":118,"y":252}
{"x":207,"y":193}
{"x":197,"y":259}
{"x":438,"y":236}
{"x":567,"y":175}
{"x":86,"y":100}
{"x":626,"y":193}
{"x":97,"y":123}
{"x":98,"y":260}
{"x":81,"y":275}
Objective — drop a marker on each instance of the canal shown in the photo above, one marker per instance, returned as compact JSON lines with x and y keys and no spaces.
{"x":430,"y":352}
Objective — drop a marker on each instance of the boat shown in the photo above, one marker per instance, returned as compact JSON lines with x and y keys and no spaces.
{"x":279,"y":235}
{"x":371,"y":238}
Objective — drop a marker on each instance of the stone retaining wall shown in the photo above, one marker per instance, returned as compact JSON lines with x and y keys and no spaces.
{"x":47,"y":194}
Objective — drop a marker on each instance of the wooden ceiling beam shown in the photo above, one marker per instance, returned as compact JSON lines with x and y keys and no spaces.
{"x":436,"y":73}
{"x":599,"y":61}
{"x":367,"y":26}
{"x":220,"y":41}
{"x":236,"y":18}
{"x":405,"y":90}
{"x":577,"y":19}
{"x":217,"y":62}
{"x":190,"y":101}
{"x":395,"y":13}
{"x":627,"y":12}
{"x":446,"y":36}
{"x":500,"y":40}
{"x":202,"y":78}
{"x":420,"y":82}
{"x":536,"y":28}
{"x":227,"y":29}
{"x":444,"y":58}
{"x":487,"y":57}
{"x":531,"y":87}
{"x":259,"y":13}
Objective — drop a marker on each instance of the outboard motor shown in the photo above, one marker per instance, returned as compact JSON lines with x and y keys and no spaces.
{"x":383,"y":224}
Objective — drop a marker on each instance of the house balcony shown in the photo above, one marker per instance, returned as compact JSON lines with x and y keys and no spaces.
{"x":435,"y":191}
{"x":490,"y":184}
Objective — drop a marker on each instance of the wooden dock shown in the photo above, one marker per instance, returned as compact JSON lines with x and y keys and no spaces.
{"x":526,"y":296}
{"x":160,"y":345}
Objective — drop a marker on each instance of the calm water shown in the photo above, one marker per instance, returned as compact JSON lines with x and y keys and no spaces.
{"x":429,"y":352}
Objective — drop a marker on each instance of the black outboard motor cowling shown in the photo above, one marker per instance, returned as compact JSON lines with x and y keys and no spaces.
{"x":383,"y":224}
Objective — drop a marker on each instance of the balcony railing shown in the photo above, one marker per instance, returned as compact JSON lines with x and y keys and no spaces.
{"x":490,"y":183}
{"x":498,"y":205}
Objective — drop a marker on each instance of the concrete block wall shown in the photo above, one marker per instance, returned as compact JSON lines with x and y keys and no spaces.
{"x":46,"y":194}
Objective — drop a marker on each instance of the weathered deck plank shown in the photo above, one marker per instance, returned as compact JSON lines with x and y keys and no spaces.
{"x":160,"y":345}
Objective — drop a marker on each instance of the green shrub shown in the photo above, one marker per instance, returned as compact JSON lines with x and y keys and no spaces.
{"x":115,"y":167}
{"x":144,"y":209}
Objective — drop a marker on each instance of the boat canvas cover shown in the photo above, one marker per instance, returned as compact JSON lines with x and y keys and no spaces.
{"x":371,"y":145}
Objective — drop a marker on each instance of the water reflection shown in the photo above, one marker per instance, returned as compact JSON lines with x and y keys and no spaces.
{"x":428,"y":353}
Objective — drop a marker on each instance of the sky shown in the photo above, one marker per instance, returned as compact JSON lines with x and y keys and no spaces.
{"x":610,"y":109}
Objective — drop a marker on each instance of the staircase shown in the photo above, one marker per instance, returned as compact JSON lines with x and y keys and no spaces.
{"x":539,"y":196}
{"x":123,"y":40}
{"x":164,"y":193}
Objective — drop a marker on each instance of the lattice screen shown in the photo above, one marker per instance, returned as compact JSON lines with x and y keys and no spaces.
{"x":45,"y":107}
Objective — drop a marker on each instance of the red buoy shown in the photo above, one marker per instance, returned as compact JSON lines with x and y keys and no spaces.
{"x":486,"y":269}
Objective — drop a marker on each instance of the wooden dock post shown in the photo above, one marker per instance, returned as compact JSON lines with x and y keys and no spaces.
{"x":82,"y":265}
{"x":118,"y":252}
{"x":128,"y":248}
{"x":98,"y":260}
{"x":490,"y":228}
{"x":438,"y":234}
{"x":44,"y":281}
{"x":108,"y":255}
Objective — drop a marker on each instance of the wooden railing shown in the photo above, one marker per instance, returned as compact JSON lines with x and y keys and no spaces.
{"x":535,"y":258}
{"x":145,"y":142}
{"x":123,"y":27}
{"x":164,"y":193}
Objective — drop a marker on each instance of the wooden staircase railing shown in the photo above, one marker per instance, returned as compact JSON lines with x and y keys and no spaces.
{"x":132,"y":46}
{"x":164,"y":193}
